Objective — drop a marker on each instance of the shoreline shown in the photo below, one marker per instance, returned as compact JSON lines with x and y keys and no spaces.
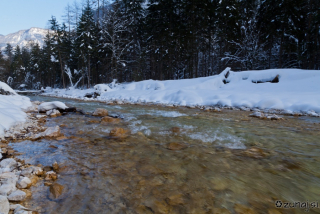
{"x":215,"y":108}
{"x":16,"y":176}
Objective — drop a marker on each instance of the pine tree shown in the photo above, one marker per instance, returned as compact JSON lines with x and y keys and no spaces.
{"x":58,"y":51}
{"x":86,"y":40}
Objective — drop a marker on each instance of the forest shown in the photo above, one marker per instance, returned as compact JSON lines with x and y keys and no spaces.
{"x":134,"y":40}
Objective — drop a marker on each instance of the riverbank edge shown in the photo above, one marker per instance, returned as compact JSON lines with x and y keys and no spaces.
{"x":33,"y":126}
{"x":214,"y":108}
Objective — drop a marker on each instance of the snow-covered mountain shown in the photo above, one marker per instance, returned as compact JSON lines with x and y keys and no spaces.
{"x":23,"y":37}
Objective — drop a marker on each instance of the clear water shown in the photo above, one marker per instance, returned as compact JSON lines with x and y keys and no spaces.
{"x":213,"y":175}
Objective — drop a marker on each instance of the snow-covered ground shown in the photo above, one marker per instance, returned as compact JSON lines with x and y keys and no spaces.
{"x":11,"y":108}
{"x":296,"y":91}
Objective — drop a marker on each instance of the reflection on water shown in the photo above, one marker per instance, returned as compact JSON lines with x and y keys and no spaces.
{"x":213,"y":174}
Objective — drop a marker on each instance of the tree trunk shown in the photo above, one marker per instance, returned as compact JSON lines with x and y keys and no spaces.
{"x":61,"y":67}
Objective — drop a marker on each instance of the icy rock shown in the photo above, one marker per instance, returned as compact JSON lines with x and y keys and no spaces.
{"x":257,"y":114}
{"x":313,"y":114}
{"x":24,"y":183}
{"x":17,"y":195}
{"x":216,"y":109}
{"x":4,"y":205}
{"x":274,"y":117}
{"x":8,"y":163}
{"x":44,"y":107}
{"x":244,"y":108}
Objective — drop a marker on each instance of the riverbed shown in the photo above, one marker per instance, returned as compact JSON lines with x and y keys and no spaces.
{"x":229,"y":163}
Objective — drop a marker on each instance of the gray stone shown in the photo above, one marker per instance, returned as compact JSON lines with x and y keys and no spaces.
{"x":17,"y":195}
{"x":27,"y":172}
{"x":8,"y":163}
{"x":4,"y":205}
{"x":19,"y":209}
{"x":6,"y":189}
{"x":32,"y":170}
{"x":24,"y":183}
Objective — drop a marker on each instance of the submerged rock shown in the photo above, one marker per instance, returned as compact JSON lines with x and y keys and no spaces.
{"x":119,"y":133}
{"x":108,"y":119}
{"x":176,"y":146}
{"x":55,"y":166}
{"x":175,"y":129}
{"x":255,"y":152}
{"x":50,"y":132}
{"x":242,"y":209}
{"x":56,"y":190}
{"x":100,"y":112}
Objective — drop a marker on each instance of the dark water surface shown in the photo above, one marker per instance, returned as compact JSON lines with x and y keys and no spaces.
{"x":213,"y":174}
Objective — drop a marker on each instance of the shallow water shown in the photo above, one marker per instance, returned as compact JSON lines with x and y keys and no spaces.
{"x":212,"y":175}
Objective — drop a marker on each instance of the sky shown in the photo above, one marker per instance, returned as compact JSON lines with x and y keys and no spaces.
{"x":18,"y":15}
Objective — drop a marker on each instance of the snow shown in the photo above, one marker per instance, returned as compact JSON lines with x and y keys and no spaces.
{"x":297,"y":90}
{"x":11,"y":109}
{"x":5,"y":87}
{"x":51,"y":105}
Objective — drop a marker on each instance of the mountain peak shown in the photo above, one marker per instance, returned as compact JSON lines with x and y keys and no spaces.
{"x":23,"y":37}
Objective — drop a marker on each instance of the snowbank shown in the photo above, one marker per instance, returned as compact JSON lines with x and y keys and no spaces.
{"x":5,"y":87}
{"x":294,"y":91}
{"x":11,"y":108}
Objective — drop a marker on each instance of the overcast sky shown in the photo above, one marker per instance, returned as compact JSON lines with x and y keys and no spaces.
{"x":18,"y":15}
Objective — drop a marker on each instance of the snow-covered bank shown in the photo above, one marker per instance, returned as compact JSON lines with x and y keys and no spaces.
{"x":11,"y":108}
{"x":292,"y":90}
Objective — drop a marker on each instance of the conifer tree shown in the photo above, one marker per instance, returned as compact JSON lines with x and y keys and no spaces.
{"x":86,"y":40}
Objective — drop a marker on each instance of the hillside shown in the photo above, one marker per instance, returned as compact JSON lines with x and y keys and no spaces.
{"x":23,"y":37}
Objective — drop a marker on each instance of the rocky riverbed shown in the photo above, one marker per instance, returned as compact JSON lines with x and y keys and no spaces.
{"x":151,"y":159}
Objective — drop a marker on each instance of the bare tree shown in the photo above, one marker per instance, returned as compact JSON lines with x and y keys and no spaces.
{"x":114,"y":38}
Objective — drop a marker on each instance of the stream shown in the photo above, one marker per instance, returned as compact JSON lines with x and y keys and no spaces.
{"x":215,"y":173}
